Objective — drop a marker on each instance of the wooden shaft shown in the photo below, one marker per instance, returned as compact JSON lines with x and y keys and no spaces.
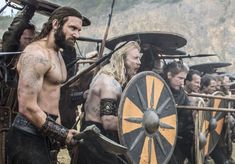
{"x":205,"y":108}
{"x":100,"y":55}
{"x":86,"y":61}
{"x":85,"y":39}
{"x":91,"y":67}
{"x":211,"y":96}
{"x":83,"y":72}
{"x":183,"y":56}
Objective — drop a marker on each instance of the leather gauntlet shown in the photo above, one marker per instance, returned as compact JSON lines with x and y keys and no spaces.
{"x":53,"y":130}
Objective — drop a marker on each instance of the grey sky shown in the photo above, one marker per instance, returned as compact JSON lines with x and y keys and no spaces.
{"x":8,"y":10}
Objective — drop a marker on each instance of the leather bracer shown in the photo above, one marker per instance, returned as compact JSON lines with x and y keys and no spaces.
{"x":53,"y":130}
{"x":108,"y":107}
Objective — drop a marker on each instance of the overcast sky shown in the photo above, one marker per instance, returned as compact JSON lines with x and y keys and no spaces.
{"x":8,"y":10}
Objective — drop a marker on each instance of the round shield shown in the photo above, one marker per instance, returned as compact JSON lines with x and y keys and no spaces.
{"x":199,"y":152}
{"x":212,"y":124}
{"x":147,"y":119}
{"x":209,"y":67}
{"x":164,"y":41}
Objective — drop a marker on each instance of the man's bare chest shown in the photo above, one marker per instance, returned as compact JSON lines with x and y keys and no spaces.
{"x":58,"y":72}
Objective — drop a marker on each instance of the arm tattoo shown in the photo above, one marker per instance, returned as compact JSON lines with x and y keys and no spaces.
{"x":28,"y":71}
{"x":28,"y":59}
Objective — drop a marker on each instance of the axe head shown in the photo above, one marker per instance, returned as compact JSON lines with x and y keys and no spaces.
{"x":106,"y":143}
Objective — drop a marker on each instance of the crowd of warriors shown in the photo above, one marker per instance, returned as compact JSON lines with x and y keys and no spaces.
{"x":183,"y":81}
{"x":38,"y":116}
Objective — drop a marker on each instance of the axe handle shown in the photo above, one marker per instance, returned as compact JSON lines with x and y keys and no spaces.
{"x":80,"y":136}
{"x":82,"y":73}
{"x":229,"y":98}
{"x":90,"y":131}
{"x":91,"y":67}
{"x":78,"y":119}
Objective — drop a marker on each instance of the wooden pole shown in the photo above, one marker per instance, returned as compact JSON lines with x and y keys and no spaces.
{"x":211,"y":96}
{"x":205,"y":108}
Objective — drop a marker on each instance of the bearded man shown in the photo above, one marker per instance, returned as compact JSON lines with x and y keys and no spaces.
{"x":41,"y":72}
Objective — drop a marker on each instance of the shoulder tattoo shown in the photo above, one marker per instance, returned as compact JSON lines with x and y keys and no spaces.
{"x":29,"y":59}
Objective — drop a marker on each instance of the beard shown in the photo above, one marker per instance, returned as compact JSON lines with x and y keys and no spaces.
{"x":62,"y":42}
{"x":130,"y":72}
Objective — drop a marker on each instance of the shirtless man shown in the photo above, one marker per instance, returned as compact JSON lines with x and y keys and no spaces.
{"x":102,"y":102}
{"x":41,"y":72}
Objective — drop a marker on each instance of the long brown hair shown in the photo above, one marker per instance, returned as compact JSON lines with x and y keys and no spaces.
{"x":61,"y":15}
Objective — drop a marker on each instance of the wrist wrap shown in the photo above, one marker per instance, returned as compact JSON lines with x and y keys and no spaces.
{"x":53,"y":130}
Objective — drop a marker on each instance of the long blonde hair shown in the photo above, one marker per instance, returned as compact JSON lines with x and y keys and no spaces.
{"x":116,"y":67}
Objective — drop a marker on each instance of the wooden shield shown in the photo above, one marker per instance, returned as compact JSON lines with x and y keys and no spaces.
{"x":199,"y":152}
{"x":162,"y":40}
{"x":211,"y":124}
{"x":210,"y":67}
{"x":147,"y":122}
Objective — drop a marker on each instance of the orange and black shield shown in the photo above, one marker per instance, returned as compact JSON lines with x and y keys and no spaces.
{"x":211,"y":124}
{"x":198,"y":123}
{"x":147,"y":119}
